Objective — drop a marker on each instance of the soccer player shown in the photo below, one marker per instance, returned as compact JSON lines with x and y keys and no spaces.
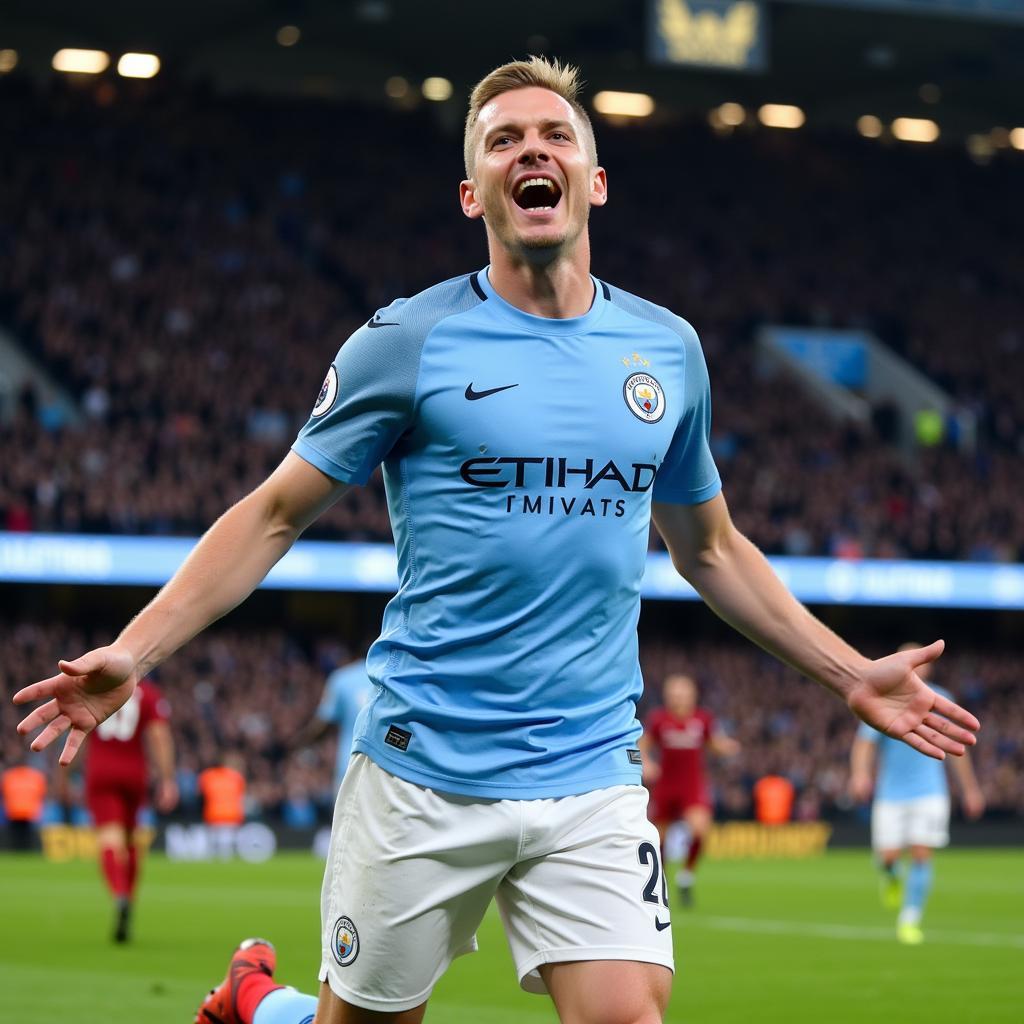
{"x":117,"y":788}
{"x":909,"y":814}
{"x":346,"y":691}
{"x":673,"y":744}
{"x":529,"y":416}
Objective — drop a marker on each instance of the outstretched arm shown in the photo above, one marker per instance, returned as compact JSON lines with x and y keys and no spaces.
{"x":161,"y":749}
{"x":225,"y":567}
{"x":971,"y":797}
{"x":723,"y":745}
{"x":862,"y":769}
{"x":736,"y":581}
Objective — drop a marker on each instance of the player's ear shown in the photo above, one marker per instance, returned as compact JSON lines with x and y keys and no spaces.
{"x":471,"y":207}
{"x":598,"y":187}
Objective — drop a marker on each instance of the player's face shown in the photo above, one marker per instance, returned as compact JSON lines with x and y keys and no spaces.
{"x":533,"y":180}
{"x":680,"y":695}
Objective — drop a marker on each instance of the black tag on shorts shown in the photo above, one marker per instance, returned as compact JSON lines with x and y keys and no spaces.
{"x":635,"y":757}
{"x":398,"y":738}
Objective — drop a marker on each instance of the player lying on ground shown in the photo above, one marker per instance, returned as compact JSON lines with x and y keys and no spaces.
{"x":531,"y":419}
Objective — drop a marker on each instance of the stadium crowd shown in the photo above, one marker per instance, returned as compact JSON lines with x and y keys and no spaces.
{"x":246,"y":693}
{"x":186,"y":265}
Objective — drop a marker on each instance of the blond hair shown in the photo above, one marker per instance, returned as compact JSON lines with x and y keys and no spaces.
{"x":561,"y":79}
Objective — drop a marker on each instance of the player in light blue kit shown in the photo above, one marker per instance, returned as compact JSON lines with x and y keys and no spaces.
{"x":530,"y":419}
{"x":910,"y":813}
{"x":346,"y":691}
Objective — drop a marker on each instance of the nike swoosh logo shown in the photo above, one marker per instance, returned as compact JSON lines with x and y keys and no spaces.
{"x":382,"y":323}
{"x":661,"y":925}
{"x":475,"y":395}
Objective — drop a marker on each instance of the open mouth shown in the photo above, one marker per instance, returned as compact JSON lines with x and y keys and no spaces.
{"x":540,"y":194}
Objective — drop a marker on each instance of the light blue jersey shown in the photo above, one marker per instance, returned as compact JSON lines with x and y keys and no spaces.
{"x":902,"y":773}
{"x":520,"y":458}
{"x":345,"y":693}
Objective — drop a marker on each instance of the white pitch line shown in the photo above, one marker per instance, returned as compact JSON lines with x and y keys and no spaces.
{"x":855,"y":932}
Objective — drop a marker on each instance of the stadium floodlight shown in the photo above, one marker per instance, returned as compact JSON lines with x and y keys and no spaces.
{"x":1000,"y":137}
{"x":624,"y":104}
{"x":915,"y":129}
{"x":288,"y":35}
{"x":732,"y":114}
{"x":437,"y":89}
{"x":869,"y":126}
{"x":138,"y":65}
{"x":81,"y":62}
{"x":781,"y":115}
{"x":981,"y":147}
{"x":8,"y":61}
{"x":1017,"y":138}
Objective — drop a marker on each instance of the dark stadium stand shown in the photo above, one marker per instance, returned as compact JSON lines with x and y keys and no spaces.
{"x":186,"y":267}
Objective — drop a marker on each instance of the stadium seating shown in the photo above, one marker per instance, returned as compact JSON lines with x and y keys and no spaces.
{"x":251,"y":690}
{"x":188,"y":281}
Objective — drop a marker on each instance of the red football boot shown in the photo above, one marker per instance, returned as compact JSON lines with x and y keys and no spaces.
{"x":221,"y":1005}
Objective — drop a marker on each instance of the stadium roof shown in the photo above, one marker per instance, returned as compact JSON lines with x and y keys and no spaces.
{"x":836,"y":62}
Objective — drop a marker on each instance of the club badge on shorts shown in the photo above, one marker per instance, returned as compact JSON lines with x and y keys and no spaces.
{"x":345,"y":941}
{"x":644,"y":397}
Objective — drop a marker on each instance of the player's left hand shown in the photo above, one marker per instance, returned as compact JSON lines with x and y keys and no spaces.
{"x":892,"y":697}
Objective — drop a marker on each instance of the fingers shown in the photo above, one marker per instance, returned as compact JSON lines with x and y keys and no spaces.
{"x":950,"y":729}
{"x":923,"y":746}
{"x":56,"y":728}
{"x":955,"y":713}
{"x":939,"y":741}
{"x":82,"y":666}
{"x":924,"y":655}
{"x":36,"y":691}
{"x":43,"y":715}
{"x":74,"y":741}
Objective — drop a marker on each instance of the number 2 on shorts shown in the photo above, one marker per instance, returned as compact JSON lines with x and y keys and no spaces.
{"x":648,"y":854}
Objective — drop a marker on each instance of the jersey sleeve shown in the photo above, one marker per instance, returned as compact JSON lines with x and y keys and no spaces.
{"x":328,"y":709}
{"x":366,"y":400}
{"x":688,"y":475}
{"x":711,"y":727}
{"x":154,"y":706}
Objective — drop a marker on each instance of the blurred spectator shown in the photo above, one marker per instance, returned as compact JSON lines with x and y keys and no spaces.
{"x":24,"y":793}
{"x":773,"y":800}
{"x":201,"y":281}
{"x":220,"y":676}
{"x":223,"y":789}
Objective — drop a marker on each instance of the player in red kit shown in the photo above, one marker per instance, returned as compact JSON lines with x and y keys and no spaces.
{"x":117,"y":784}
{"x":673,"y":744}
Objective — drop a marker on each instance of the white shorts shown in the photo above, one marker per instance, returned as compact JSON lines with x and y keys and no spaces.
{"x":411,"y":872}
{"x":923,"y":821}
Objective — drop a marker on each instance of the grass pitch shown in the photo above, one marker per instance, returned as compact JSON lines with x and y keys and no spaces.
{"x":785,"y":941}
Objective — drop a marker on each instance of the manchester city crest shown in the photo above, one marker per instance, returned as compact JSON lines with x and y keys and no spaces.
{"x":644,"y":396}
{"x":328,"y":392}
{"x":345,"y":941}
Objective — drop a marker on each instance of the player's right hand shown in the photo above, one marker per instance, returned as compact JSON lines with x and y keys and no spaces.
{"x":84,"y":693}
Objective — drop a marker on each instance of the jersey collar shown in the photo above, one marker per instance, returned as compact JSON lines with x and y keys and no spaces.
{"x":543,"y":324}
